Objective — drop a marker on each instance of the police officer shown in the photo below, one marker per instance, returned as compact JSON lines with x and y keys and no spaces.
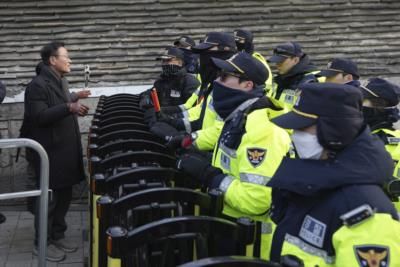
{"x":341,"y":70}
{"x":202,"y":118}
{"x":191,"y":60}
{"x":380,"y":112}
{"x":244,"y":43}
{"x":328,"y":204}
{"x":294,"y":68}
{"x":175,"y":85}
{"x":250,"y":147}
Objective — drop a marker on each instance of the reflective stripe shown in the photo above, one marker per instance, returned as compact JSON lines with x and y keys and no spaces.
{"x":226,"y":182}
{"x":187,"y":125}
{"x":210,"y":105}
{"x":254,"y":178}
{"x":295,"y":241}
{"x":182,"y":107}
{"x":185,"y":114}
{"x":230,"y":152}
{"x":219,"y":118}
{"x":266,"y":228}
{"x":197,"y":92}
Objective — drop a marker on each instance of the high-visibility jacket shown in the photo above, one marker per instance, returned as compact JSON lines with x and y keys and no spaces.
{"x":269,"y":81}
{"x":335,"y":212}
{"x":391,"y":139}
{"x":285,"y":86}
{"x":249,"y":166}
{"x":201,"y":116}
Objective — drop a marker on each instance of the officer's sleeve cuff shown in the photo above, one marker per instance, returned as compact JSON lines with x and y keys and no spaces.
{"x":223,"y":182}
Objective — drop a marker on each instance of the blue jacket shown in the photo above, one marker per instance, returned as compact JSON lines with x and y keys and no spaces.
{"x":323,"y":190}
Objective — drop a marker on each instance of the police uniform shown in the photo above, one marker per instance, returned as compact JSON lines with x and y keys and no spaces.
{"x":381,"y":119}
{"x":248,"y":166}
{"x":174,"y":86}
{"x":191,"y":60}
{"x":248,"y":150}
{"x":203,"y":116}
{"x":334,"y":212}
{"x":285,"y":85}
{"x":244,"y":43}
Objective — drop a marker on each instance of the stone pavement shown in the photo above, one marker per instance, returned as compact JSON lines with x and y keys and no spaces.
{"x":16,"y":240}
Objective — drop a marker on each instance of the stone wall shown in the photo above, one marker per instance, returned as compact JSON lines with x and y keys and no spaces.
{"x":120,"y":39}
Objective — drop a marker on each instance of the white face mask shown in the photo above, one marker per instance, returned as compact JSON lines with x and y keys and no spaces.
{"x":307,"y":145}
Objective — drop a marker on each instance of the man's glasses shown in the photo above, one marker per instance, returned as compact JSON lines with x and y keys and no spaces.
{"x":64,"y":56}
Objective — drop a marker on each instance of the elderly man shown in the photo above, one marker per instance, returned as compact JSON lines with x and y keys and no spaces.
{"x":51,"y":119}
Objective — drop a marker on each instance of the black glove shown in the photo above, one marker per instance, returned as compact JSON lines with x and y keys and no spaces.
{"x":200,"y":168}
{"x":150,"y":117}
{"x":179,"y":141}
{"x":162,"y":117}
{"x":163,"y":130}
{"x":170,"y":110}
{"x":145,"y":101}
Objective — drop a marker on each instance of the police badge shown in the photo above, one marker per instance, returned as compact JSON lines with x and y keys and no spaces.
{"x":256,"y":156}
{"x":372,"y":255}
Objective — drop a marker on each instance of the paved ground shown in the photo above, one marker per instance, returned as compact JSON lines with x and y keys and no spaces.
{"x":16,"y":240}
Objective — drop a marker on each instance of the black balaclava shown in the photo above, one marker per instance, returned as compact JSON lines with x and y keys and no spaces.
{"x":248,"y":45}
{"x":380,"y":117}
{"x":169,"y":70}
{"x":191,"y":60}
{"x":208,"y":71}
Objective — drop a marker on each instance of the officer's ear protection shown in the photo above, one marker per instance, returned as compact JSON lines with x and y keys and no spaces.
{"x":336,"y":133}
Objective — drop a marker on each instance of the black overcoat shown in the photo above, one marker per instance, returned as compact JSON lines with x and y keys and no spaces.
{"x":48,"y":121}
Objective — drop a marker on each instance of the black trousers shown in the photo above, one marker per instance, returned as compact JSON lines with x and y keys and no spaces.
{"x":59,"y":202}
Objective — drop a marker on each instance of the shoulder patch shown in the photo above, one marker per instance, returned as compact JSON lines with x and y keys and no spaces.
{"x":256,"y":156}
{"x":313,"y":231}
{"x":372,"y":255}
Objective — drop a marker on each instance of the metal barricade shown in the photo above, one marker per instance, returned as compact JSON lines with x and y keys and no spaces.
{"x":42,"y":192}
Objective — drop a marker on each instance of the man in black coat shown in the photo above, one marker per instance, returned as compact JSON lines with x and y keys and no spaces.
{"x":51,"y":119}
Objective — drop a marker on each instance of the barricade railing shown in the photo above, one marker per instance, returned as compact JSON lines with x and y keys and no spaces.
{"x":42,"y":192}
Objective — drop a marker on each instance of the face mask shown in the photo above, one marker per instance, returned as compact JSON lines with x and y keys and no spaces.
{"x":226,"y":100}
{"x":191,"y":61}
{"x":240,"y":46}
{"x":208,"y":72}
{"x":380,"y":118}
{"x":307,"y":145}
{"x":170,"y":69}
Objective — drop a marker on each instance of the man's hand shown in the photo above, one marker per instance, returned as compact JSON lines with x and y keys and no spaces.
{"x":78,"y":108}
{"x":163,"y":130}
{"x":83,"y":94}
{"x":179,"y":141}
{"x":83,"y":111}
{"x":199,"y":168}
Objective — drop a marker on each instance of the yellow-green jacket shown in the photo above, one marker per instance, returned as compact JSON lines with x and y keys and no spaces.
{"x":391,"y":138}
{"x":335,"y":212}
{"x":249,"y":167}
